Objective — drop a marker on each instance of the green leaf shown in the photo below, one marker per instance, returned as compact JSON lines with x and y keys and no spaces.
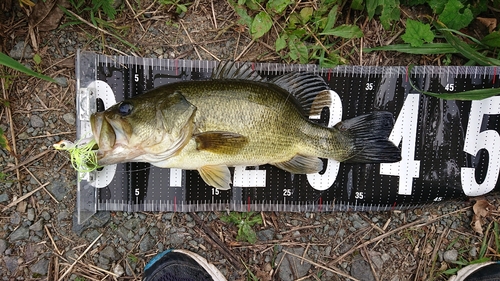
{"x":390,"y":13}
{"x":246,"y":233}
{"x":357,"y":5}
{"x":10,"y":62}
{"x":454,"y":16}
{"x":417,"y":33}
{"x":465,"y":49}
{"x":426,"y":49}
{"x":332,"y":18}
{"x":281,"y":42}
{"x":371,"y":7}
{"x":478,"y":94}
{"x":37,"y":59}
{"x":344,"y":31}
{"x":388,"y":10}
{"x":253,"y":5}
{"x":298,"y":51}
{"x":415,"y":2}
{"x":306,"y":14}
{"x":261,"y":24}
{"x":277,"y":6}
{"x":492,"y":39}
{"x":437,"y":6}
{"x":181,"y":8}
{"x":294,"y":20}
{"x":451,"y":271}
{"x":106,"y":6}
{"x":242,"y":12}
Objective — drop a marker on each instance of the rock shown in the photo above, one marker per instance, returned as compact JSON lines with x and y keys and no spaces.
{"x":118,"y":270}
{"x":98,"y":220}
{"x":361,"y":270}
{"x":132,"y":224}
{"x":147,"y":243}
{"x":177,"y":239}
{"x":20,"y":234}
{"x":58,"y":189}
{"x":110,"y":253}
{"x":265,"y":235}
{"x":36,"y":121}
{"x":40,"y":267}
{"x":21,"y":51}
{"x":130,"y":270}
{"x":31,"y":214}
{"x":3,"y":246}
{"x":15,"y":218}
{"x":4,"y":197}
{"x":450,"y":255}
{"x":11,"y":264}
{"x":299,"y":270}
{"x":154,"y":231}
{"x":62,"y":81}
{"x":45,"y":215}
{"x":23,"y":136}
{"x":103,"y":260}
{"x":92,"y":235}
{"x":472,"y":252}
{"x":37,"y":226}
{"x":63,"y":215}
{"x":69,"y":118}
{"x":377,"y":261}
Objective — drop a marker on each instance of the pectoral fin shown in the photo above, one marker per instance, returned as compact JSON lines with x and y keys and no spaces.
{"x":300,"y":164}
{"x":216,"y":176}
{"x":220,"y":142}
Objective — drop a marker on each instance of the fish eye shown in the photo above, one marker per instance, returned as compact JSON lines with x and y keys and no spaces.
{"x":125,"y":109}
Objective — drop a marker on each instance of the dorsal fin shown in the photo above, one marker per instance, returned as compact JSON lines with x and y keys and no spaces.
{"x":309,"y":89}
{"x":231,"y":70}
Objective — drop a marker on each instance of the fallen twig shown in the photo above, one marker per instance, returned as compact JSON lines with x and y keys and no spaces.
{"x":321,"y":266}
{"x":24,"y":196}
{"x":84,"y":252}
{"x":215,"y":241}
{"x":26,"y":162}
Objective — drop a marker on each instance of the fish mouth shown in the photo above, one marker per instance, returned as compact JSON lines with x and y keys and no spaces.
{"x":110,"y":139}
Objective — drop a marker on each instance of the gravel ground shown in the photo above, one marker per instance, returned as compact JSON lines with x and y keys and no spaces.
{"x":39,"y":237}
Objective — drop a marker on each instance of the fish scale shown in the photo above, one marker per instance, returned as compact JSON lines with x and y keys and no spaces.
{"x":449,"y":148}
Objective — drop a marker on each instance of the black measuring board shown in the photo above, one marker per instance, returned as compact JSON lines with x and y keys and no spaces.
{"x":450,"y":149}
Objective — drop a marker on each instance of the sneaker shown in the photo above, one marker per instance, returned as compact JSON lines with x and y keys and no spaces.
{"x":487,"y":271}
{"x":180,"y":265}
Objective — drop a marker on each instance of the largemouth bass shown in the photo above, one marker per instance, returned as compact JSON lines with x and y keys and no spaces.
{"x":236,"y":118}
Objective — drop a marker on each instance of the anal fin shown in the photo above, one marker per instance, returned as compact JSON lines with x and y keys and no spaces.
{"x":216,"y":176}
{"x":300,"y":164}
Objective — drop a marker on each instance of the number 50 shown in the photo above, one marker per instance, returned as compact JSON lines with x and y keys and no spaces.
{"x":475,"y":141}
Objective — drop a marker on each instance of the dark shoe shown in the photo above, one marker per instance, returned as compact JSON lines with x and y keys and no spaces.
{"x":180,"y":265}
{"x":487,"y":271}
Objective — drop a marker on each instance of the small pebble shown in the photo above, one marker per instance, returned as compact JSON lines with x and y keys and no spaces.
{"x":450,"y":255}
{"x":4,"y":197}
{"x":36,"y":121}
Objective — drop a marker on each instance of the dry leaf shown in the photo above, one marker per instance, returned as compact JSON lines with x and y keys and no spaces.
{"x":477,"y":224}
{"x":482,"y":209}
{"x":490,"y":23}
{"x":47,"y":15}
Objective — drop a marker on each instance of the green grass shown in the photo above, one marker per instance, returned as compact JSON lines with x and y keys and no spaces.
{"x":244,"y":222}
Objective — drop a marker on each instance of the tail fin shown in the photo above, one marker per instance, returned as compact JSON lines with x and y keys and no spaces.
{"x":370,"y":134}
